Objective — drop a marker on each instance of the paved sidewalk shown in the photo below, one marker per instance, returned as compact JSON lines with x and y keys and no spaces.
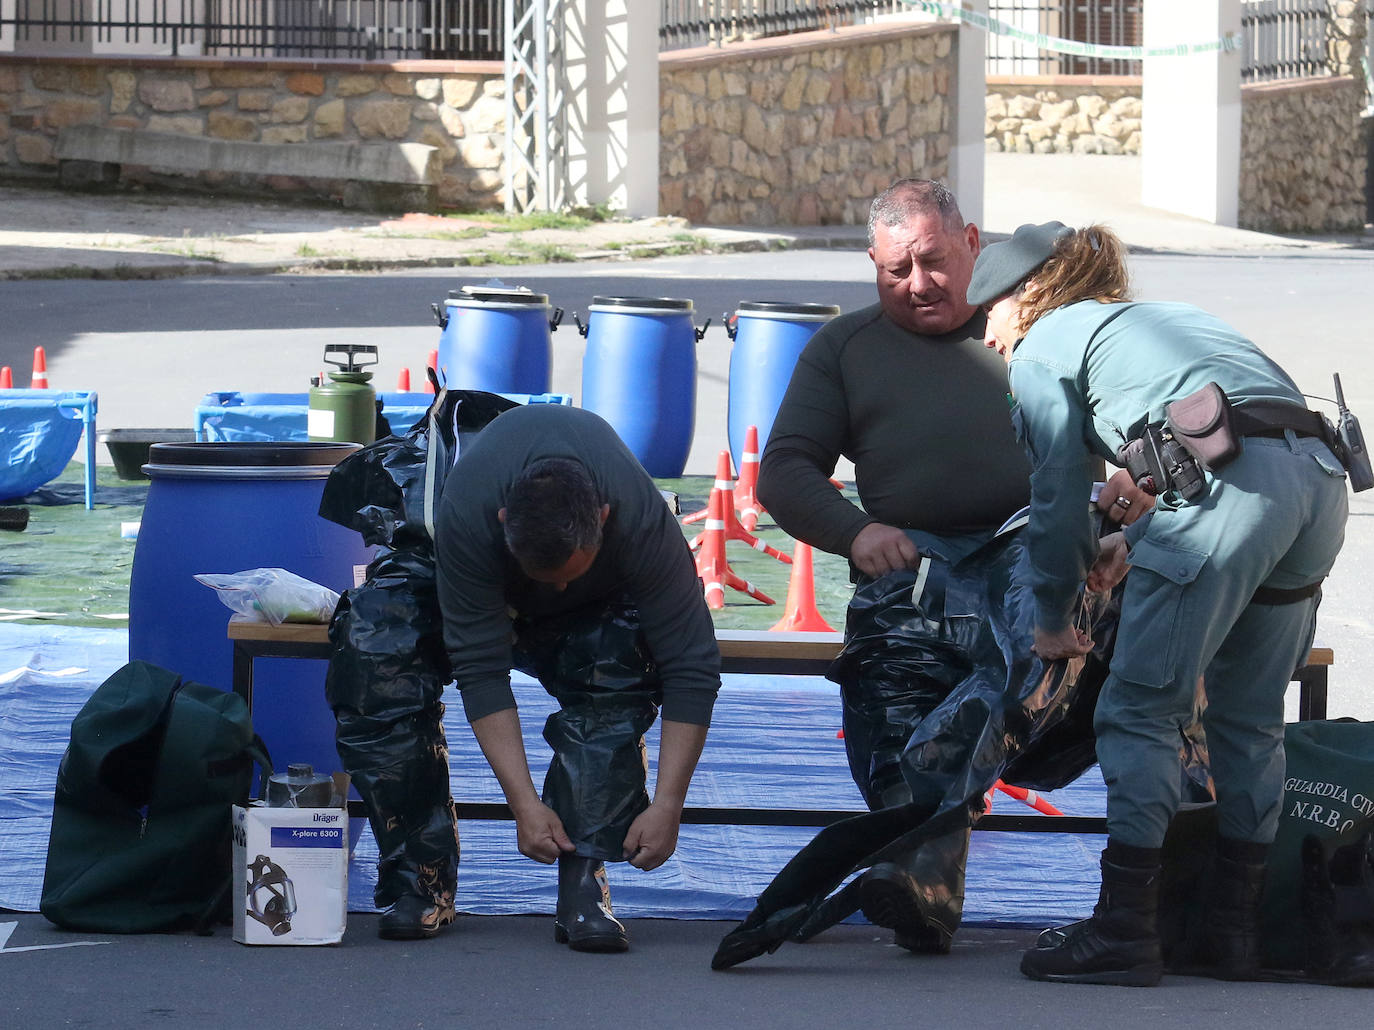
{"x":49,"y":233}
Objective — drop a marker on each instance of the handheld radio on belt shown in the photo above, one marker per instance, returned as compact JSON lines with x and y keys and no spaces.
{"x":1350,"y":444}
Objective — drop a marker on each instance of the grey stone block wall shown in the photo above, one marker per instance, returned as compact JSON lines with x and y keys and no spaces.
{"x":1303,"y":156}
{"x":1063,"y":114}
{"x":803,"y":129}
{"x":456,"y":107}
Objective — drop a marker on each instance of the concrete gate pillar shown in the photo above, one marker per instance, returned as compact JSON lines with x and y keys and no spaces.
{"x":1190,"y":122}
{"x":611,"y":55}
{"x":966,"y":153}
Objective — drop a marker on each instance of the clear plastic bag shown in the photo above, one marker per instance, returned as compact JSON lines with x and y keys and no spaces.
{"x":273,"y":595}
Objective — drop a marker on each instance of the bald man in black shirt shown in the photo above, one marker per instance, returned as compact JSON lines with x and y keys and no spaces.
{"x":907,"y":391}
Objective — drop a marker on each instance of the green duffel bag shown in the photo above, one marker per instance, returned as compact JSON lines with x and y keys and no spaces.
{"x":140,"y":836}
{"x":1329,"y":797}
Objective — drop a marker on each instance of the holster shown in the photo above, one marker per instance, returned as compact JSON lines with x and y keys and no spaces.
{"x":1201,"y":423}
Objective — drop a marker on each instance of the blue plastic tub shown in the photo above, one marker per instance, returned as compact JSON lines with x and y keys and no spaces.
{"x":39,"y":433}
{"x":496,"y":340}
{"x":228,"y":416}
{"x":639,"y":373}
{"x":768,"y":338}
{"x":225,"y":508}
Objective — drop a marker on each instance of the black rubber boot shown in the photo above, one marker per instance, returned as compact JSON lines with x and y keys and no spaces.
{"x":920,"y":896}
{"x":413,"y":918}
{"x":1230,"y":947}
{"x":584,"y":920}
{"x":1120,"y":943}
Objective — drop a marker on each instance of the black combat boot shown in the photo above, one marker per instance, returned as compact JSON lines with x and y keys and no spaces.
{"x":1338,"y":910}
{"x":584,"y":920}
{"x":1120,"y":943}
{"x":1229,"y":947}
{"x":412,"y":918}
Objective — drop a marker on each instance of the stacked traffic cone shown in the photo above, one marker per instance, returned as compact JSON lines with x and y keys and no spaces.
{"x":403,"y":381}
{"x":714,"y":570}
{"x":1023,"y":795}
{"x":733,"y":530}
{"x":801,"y":614}
{"x":40,"y":369}
{"x":434,"y":366}
{"x":6,"y":378}
{"x":724,"y":481}
{"x":746,"y":490}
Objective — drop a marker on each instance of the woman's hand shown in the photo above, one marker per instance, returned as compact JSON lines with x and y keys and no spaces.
{"x":1069,"y":642}
{"x":1121,"y":501}
{"x":1111,"y":565}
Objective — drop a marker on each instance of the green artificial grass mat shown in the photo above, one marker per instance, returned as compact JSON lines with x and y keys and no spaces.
{"x":72,"y":565}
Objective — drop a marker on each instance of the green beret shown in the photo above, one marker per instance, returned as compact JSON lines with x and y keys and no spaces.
{"x":1002,"y":267}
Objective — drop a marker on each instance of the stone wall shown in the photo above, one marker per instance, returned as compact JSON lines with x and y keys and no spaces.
{"x":806,"y":129}
{"x":1302,"y":162}
{"x":456,"y":106}
{"x":1063,"y":114}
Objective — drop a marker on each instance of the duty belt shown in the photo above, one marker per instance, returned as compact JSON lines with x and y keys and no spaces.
{"x":1272,"y":418}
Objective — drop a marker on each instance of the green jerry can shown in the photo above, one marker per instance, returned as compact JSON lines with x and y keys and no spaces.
{"x":345,"y":408}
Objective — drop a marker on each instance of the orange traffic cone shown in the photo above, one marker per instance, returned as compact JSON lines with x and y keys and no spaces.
{"x":714,"y":570}
{"x":801,"y":614}
{"x":724,"y":481}
{"x":733,"y":530}
{"x":6,"y":378}
{"x":746,"y":490}
{"x":1026,"y":797}
{"x":403,"y":381}
{"x":433,"y":364}
{"x":40,"y":369}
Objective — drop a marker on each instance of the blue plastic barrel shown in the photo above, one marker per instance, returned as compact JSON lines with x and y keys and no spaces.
{"x":769,"y":337}
{"x":231,"y":507}
{"x":496,"y":340}
{"x":639,"y":373}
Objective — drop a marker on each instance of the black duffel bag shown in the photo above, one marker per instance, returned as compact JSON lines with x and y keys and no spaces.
{"x":141,"y":825}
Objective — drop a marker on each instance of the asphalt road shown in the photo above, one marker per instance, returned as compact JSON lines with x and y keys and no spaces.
{"x":506,"y":972}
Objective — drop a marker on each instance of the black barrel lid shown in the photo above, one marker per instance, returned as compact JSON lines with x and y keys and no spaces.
{"x":657,"y":303}
{"x":499,"y":294}
{"x":256,"y":455}
{"x":782,"y":307}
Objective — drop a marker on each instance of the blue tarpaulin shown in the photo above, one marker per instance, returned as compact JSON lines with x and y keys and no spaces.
{"x":772,"y":744}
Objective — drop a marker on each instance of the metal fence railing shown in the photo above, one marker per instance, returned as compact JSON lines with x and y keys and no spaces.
{"x":1280,"y":38}
{"x":1284,"y":39}
{"x":689,"y":23}
{"x":1100,"y":22}
{"x":391,"y":29}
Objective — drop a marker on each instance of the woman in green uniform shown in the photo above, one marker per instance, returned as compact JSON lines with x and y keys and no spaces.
{"x":1225,"y":578}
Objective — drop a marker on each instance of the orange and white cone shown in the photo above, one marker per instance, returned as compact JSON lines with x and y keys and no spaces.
{"x":434,"y":367}
{"x":733,"y":530}
{"x":714,"y":570}
{"x":403,"y":381}
{"x":746,"y":490}
{"x":6,"y":378}
{"x":801,"y":614}
{"x":40,"y":369}
{"x":1025,"y":796}
{"x":724,"y":481}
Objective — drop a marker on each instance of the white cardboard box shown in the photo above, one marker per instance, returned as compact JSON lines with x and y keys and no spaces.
{"x":291,"y":868}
